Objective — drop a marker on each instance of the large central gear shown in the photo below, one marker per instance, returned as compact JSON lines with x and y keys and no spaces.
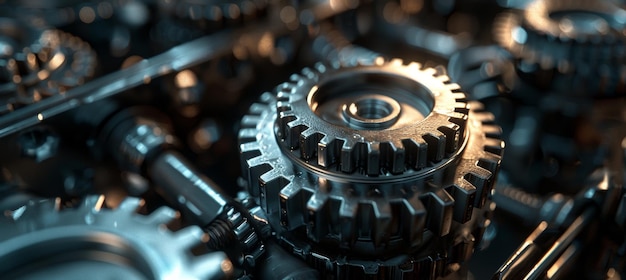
{"x":39,"y":240}
{"x":369,"y":157}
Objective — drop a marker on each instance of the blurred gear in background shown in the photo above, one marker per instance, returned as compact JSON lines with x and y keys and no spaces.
{"x":313,"y":139}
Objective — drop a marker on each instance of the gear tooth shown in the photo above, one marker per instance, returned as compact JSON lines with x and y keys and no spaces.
{"x":492,"y":131}
{"x":130,"y":204}
{"x":393,"y":156}
{"x":248,"y":151}
{"x":436,"y":145}
{"x":462,"y":107}
{"x":285,"y":90}
{"x":270,"y":185}
{"x":162,"y":215}
{"x":490,"y":164}
{"x":494,"y":147}
{"x":291,"y":128}
{"x":295,"y":78}
{"x":292,"y":199}
{"x":348,"y":155}
{"x":464,"y":195}
{"x":309,"y":73}
{"x":328,"y":151}
{"x":481,"y":179}
{"x":379,"y":61}
{"x":453,"y":139}
{"x":214,"y":265}
{"x":309,"y":141}
{"x":373,"y":159}
{"x":247,"y":135}
{"x":294,"y":131}
{"x":460,"y":120}
{"x":348,"y":209}
{"x":396,"y":62}
{"x":413,"y":217}
{"x":256,"y":167}
{"x":440,"y":209}
{"x":415,"y":66}
{"x":317,"y":225}
{"x":416,"y":152}
{"x":258,"y":108}
{"x":382,"y":221}
{"x":267,"y":98}
{"x":320,"y":67}
{"x":189,"y":236}
{"x":283,"y":107}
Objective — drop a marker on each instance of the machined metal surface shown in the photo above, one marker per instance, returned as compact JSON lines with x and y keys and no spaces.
{"x":39,"y":240}
{"x":317,"y":139}
{"x":365,"y":146}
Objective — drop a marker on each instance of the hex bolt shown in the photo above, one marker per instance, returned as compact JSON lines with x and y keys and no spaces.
{"x":38,"y":143}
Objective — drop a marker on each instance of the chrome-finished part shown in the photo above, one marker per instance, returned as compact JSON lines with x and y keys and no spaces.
{"x":310,"y":167}
{"x":91,"y":240}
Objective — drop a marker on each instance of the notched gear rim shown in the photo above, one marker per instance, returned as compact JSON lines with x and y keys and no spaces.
{"x":286,"y":192}
{"x":536,"y":21}
{"x":46,"y":77}
{"x":44,"y":221}
{"x":396,"y":150}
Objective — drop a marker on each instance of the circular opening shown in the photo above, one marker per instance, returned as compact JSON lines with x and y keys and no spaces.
{"x":371,"y":100}
{"x":372,"y":111}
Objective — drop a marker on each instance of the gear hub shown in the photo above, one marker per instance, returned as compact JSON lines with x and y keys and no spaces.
{"x":373,"y":160}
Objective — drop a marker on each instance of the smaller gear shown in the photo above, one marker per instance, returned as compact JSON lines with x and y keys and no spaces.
{"x":38,"y":63}
{"x":40,"y":240}
{"x":572,"y":46}
{"x":356,"y":163}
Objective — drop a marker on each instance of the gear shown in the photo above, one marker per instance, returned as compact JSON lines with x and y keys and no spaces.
{"x":213,"y":13}
{"x":127,"y":245}
{"x":40,"y":63}
{"x":367,"y":146}
{"x":573,"y":46}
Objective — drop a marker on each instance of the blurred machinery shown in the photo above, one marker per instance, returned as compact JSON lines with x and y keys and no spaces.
{"x":341,"y":139}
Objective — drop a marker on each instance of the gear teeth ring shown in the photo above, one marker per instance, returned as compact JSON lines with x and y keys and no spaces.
{"x":315,"y":164}
{"x":44,"y":225}
{"x":372,"y":155}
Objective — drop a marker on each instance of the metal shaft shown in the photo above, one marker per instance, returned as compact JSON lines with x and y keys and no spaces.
{"x":182,"y":186}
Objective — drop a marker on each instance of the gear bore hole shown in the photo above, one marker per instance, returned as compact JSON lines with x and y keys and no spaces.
{"x":371,"y":109}
{"x":371,"y":112}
